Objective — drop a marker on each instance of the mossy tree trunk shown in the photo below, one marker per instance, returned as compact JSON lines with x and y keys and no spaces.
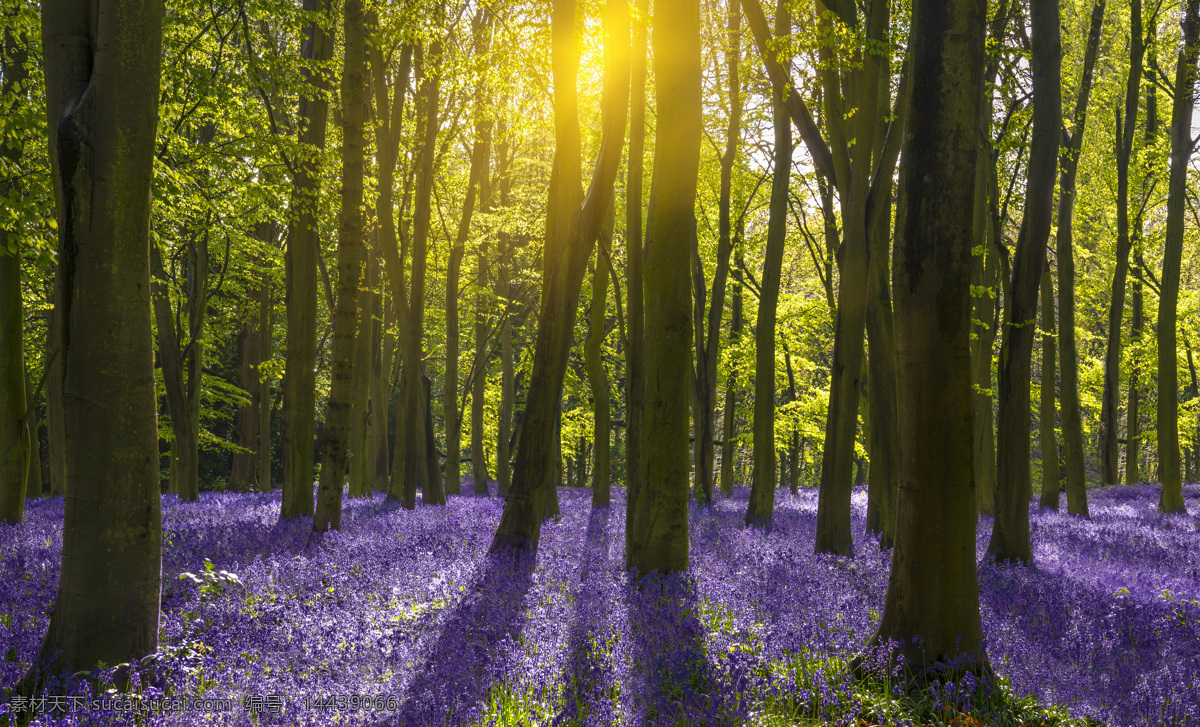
{"x":107,"y":606}
{"x":1171,"y":498}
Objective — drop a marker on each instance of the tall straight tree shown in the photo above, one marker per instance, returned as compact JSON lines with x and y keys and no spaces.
{"x":571,"y":230}
{"x":761,"y":507}
{"x":634,"y":370}
{"x":14,"y":434}
{"x":660,"y":533}
{"x":594,"y":364}
{"x":1109,"y":449}
{"x":479,"y":467}
{"x":708,"y":339}
{"x":335,"y":443}
{"x":1171,"y":498}
{"x":1068,"y":164}
{"x":102,"y":65}
{"x":1133,"y":444}
{"x":933,"y":591}
{"x":1050,"y":474}
{"x":303,"y":250}
{"x":504,"y":293}
{"x":1010,"y":534}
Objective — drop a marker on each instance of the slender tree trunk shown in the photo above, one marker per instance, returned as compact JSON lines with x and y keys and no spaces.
{"x":361,"y":464}
{"x":453,"y":485}
{"x":33,"y":485}
{"x":1050,"y":483}
{"x":729,"y":417}
{"x":1109,"y":474}
{"x":106,"y":610}
{"x":483,"y":133}
{"x":884,"y":442}
{"x":242,"y":475}
{"x":571,"y":234}
{"x":347,"y":322}
{"x":55,"y":435}
{"x":1010,"y":534}
{"x":381,"y":368}
{"x":504,"y":292}
{"x":1171,"y":499}
{"x":761,"y":508}
{"x":266,"y":337}
{"x":1072,"y":426}
{"x":634,"y":351}
{"x":597,"y":376}
{"x":660,"y":534}
{"x":932,"y":605}
{"x":303,"y":249}
{"x":1133,"y":408}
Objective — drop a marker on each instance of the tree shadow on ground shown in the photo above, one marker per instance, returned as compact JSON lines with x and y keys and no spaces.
{"x":673,"y":681}
{"x":591,"y":686}
{"x":453,"y":684}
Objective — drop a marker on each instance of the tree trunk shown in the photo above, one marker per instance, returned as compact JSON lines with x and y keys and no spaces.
{"x":1109,"y":474}
{"x":348,"y":357}
{"x":453,"y":485}
{"x":1072,"y":427}
{"x":985,"y":277}
{"x":597,"y":376}
{"x":932,"y":605}
{"x":33,"y":483}
{"x":729,"y":417}
{"x":660,"y":535}
{"x":483,"y":134}
{"x":1050,"y":484}
{"x":761,"y":508}
{"x":266,"y":333}
{"x":56,"y":458}
{"x":381,"y":368}
{"x":106,"y":610}
{"x":1171,"y":498}
{"x":1132,"y":410}
{"x":884,"y":443}
{"x":15,"y":440}
{"x":1010,"y":534}
{"x":303,"y":249}
{"x":242,"y":474}
{"x":570,"y":235}
{"x":361,"y":463}
{"x":634,"y":350}
{"x":504,"y":292}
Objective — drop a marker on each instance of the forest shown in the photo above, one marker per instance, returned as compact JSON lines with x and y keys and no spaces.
{"x":599,"y":362}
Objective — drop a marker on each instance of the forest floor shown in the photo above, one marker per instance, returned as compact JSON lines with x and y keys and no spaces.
{"x":402,"y":618}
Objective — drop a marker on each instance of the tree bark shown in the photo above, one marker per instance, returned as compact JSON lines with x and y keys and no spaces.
{"x":1010,"y":534}
{"x":571,"y":234}
{"x":761,"y":508}
{"x":933,"y":591}
{"x":635,"y":299}
{"x":242,"y":477}
{"x":303,"y":249}
{"x":107,"y":605}
{"x":1072,"y":427}
{"x":361,"y":464}
{"x":504,"y":292}
{"x":1050,"y":477}
{"x":597,"y":376}
{"x":266,"y":338}
{"x":1109,"y":473}
{"x":348,"y":359}
{"x":660,"y":534}
{"x":729,"y":415}
{"x":1171,"y":498}
{"x":1133,"y":443}
{"x":381,"y":368}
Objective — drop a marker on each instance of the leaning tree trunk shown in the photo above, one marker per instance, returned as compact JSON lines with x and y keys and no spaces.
{"x":571,"y":234}
{"x":660,"y":532}
{"x":1171,"y":498}
{"x":1109,"y":473}
{"x":1072,"y":426}
{"x":102,"y":142}
{"x":335,"y":444}
{"x":932,"y":605}
{"x":1010,"y":534}
{"x":1050,"y":486}
{"x":761,"y":508}
{"x":303,"y":250}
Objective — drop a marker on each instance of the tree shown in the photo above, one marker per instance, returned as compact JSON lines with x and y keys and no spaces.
{"x":571,"y":230}
{"x":1171,"y":499}
{"x":106,"y":609}
{"x":597,"y":376}
{"x":303,"y":250}
{"x":14,"y":434}
{"x":1049,"y":497}
{"x":1072,"y":427}
{"x":1010,"y":534}
{"x":933,"y":591}
{"x":761,"y":507}
{"x":660,"y":536}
